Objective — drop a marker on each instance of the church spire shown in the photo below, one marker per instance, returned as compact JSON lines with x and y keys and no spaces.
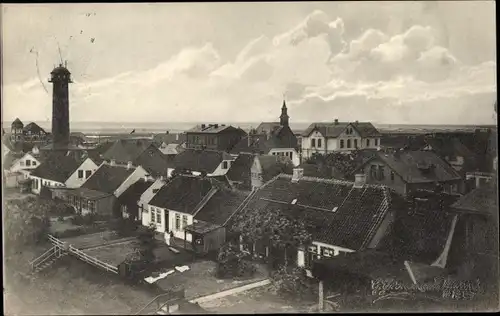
{"x":284,"y":115}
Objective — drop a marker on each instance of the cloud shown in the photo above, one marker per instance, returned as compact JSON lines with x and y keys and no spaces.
{"x":398,"y":78}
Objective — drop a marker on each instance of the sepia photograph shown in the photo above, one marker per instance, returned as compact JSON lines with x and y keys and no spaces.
{"x":249,"y":157}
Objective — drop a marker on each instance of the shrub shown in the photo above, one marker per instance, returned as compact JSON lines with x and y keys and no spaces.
{"x":231,"y":262}
{"x":292,"y":282}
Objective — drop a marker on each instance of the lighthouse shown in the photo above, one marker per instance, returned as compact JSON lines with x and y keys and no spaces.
{"x":60,"y":78}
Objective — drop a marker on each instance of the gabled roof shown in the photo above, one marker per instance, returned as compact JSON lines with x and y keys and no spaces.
{"x":133,"y":193}
{"x":170,"y":138}
{"x":10,"y":159}
{"x":267,"y":127}
{"x":211,"y":128}
{"x":200,"y":160}
{"x":262,"y":143}
{"x":107,"y":178}
{"x":417,"y":166}
{"x":240,"y":168}
{"x":171,"y":149}
{"x":34,"y":128}
{"x":101,"y":148}
{"x":334,"y":211}
{"x":57,"y":167}
{"x":333,"y":130}
{"x":17,"y":123}
{"x":221,"y":206}
{"x":182,"y":194}
{"x":478,"y":201}
{"x":124,"y":151}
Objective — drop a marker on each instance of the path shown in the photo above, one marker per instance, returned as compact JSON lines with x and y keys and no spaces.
{"x":232,"y":291}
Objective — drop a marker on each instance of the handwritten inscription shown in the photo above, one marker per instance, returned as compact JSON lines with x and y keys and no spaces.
{"x":446,"y":288}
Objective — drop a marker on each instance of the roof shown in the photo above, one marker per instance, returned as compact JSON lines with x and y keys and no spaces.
{"x":261,"y":143}
{"x":182,"y":194}
{"x":10,"y":158}
{"x":240,"y":169}
{"x":34,"y":128}
{"x":57,"y":167}
{"x":88,"y":193}
{"x":133,"y":193}
{"x":334,"y":211}
{"x":416,"y":166}
{"x":201,"y":227}
{"x":221,"y":206}
{"x":210,"y":128}
{"x":101,"y":148}
{"x":170,"y":138}
{"x":60,"y":69}
{"x":17,"y":123}
{"x":126,"y":150}
{"x":333,"y":130}
{"x":171,"y":149}
{"x":107,"y":178}
{"x":200,"y":160}
{"x":478,"y":201}
{"x":95,"y":156}
{"x":267,"y":127}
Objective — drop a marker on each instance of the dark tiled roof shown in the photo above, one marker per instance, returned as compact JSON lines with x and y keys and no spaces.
{"x":240,"y":169}
{"x":124,"y":151}
{"x":17,"y":123}
{"x":34,"y":128}
{"x":278,"y":137}
{"x":201,"y":227}
{"x":107,"y":178}
{"x":170,"y":138}
{"x":57,"y":167}
{"x":221,"y":206}
{"x":95,"y":156}
{"x":267,"y":127}
{"x":333,"y":130}
{"x":88,"y":193}
{"x":334,"y":212}
{"x":101,"y":148}
{"x":210,"y":128}
{"x":480,"y":200}
{"x":200,"y":160}
{"x":154,"y":161}
{"x":409,"y":164}
{"x":182,"y":194}
{"x":10,"y":158}
{"x":134,"y":192}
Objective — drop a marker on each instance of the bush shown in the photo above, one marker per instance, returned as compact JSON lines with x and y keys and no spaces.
{"x":86,"y":220}
{"x":292,"y":282}
{"x":231,"y":262}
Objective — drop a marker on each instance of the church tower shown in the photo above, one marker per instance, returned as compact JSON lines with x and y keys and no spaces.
{"x":60,"y":78}
{"x":284,"y":115}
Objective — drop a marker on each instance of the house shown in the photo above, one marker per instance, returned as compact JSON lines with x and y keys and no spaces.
{"x":405,"y":171}
{"x":146,"y":197}
{"x":324,"y":138}
{"x":173,"y":207}
{"x":11,"y":179}
{"x":171,"y":149}
{"x":341,"y":216}
{"x":166,"y":139}
{"x":214,"y":137}
{"x":16,"y":130}
{"x":62,"y":171}
{"x":25,"y":164}
{"x":265,"y":167}
{"x":239,"y":174}
{"x":197,"y":162}
{"x":99,"y":193}
{"x":33,"y":132}
{"x":271,"y":138}
{"x":140,"y":153}
{"x":129,"y":199}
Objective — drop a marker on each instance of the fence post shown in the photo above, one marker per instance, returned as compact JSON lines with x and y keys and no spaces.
{"x":321,"y":299}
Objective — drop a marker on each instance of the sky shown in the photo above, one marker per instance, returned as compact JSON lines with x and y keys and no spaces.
{"x":386,"y":62}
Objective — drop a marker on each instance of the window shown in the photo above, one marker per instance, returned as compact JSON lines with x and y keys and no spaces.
{"x":381,"y":172}
{"x":28,"y":163}
{"x":34,"y":163}
{"x":92,"y":206}
{"x":153,"y":215}
{"x":341,"y":143}
{"x":88,"y":173}
{"x":313,"y":142}
{"x":158,"y":216}
{"x":367,"y":143}
{"x":80,"y":174}
{"x":373,"y":172}
{"x":319,"y":143}
{"x":392,"y":176}
{"x":177,"y":222}
{"x":348,"y":143}
{"x":376,"y":141}
{"x":184,"y":221}
{"x":291,"y":155}
{"x":22,"y":163}
{"x":224,"y":165}
{"x":355,"y":143}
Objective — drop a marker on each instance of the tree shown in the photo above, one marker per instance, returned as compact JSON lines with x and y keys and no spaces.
{"x":146,"y":244}
{"x":293,"y":282}
{"x":343,"y":164}
{"x":231,"y":262}
{"x":279,"y":229}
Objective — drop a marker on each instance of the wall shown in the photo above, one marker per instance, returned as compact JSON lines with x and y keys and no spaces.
{"x":138,"y":173}
{"x":11,"y":179}
{"x":319,"y":247}
{"x":287,"y":152}
{"x":256,"y":174}
{"x":146,"y":218}
{"x":179,"y":233}
{"x":220,"y":171}
{"x":45,"y":182}
{"x":308,"y":150}
{"x":74,"y":181}
{"x":397,"y":184}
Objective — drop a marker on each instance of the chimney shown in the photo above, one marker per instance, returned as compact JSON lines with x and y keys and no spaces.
{"x":129,"y":165}
{"x":202,"y":125}
{"x":112,"y":162}
{"x":168,"y":132}
{"x":298,"y":173}
{"x":336,"y":121}
{"x":216,"y":125}
{"x":359,"y":180}
{"x":177,"y":136}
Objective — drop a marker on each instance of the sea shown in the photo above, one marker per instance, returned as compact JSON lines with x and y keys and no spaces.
{"x":143,"y":128}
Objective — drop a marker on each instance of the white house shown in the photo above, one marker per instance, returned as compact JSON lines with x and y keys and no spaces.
{"x":176,"y":203}
{"x":80,"y":175}
{"x":24,"y":164}
{"x":146,"y":196}
{"x":324,"y":138}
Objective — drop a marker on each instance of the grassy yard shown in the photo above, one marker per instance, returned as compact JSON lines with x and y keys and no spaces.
{"x":200,"y":280}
